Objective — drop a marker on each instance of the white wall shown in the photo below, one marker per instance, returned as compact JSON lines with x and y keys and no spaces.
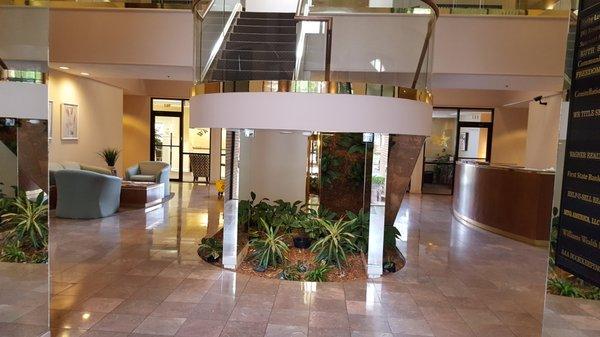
{"x":281,"y":6}
{"x":23,"y":100}
{"x":510,"y":136}
{"x":542,"y":133}
{"x":273,"y":165}
{"x":100,"y":119}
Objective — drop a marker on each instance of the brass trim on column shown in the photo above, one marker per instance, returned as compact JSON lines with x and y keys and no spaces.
{"x":312,"y":87}
{"x":12,"y":75}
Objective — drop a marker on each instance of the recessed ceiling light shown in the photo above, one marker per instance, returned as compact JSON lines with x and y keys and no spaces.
{"x":85,"y":74}
{"x":64,"y":68}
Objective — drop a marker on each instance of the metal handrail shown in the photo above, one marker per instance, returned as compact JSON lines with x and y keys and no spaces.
{"x":329,"y":29}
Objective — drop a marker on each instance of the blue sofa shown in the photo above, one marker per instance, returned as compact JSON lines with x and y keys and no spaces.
{"x":150,"y":171}
{"x":85,"y":194}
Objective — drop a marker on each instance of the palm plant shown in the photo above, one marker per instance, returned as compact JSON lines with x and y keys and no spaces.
{"x":337,"y":241}
{"x":269,"y":250}
{"x":29,"y":220}
{"x":110,"y":156}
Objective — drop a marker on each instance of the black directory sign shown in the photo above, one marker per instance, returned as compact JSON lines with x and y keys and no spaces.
{"x":578,"y":250}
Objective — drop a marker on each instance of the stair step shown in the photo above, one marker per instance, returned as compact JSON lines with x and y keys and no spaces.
{"x":236,"y":75}
{"x":261,"y":46}
{"x":256,"y":65}
{"x":264,"y":29}
{"x":252,"y":37}
{"x":266,"y":22}
{"x":259,"y":55}
{"x":265,"y":15}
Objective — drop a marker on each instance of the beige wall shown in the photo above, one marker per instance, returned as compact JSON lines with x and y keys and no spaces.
{"x":100,"y":119}
{"x":510,"y":136}
{"x":136,"y":129}
{"x":273,"y":165}
{"x":542,"y":133}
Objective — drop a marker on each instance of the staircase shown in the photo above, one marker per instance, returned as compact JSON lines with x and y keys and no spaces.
{"x":261,"y":46}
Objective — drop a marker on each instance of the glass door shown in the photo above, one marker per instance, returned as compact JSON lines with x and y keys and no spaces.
{"x":166,"y":136}
{"x":439,"y":153}
{"x":474,"y":135}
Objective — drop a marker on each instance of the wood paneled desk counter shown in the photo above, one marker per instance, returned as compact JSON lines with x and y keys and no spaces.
{"x":509,"y":201}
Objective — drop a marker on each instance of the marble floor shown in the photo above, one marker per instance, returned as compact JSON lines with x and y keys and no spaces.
{"x":23,"y":299}
{"x":137,"y":274}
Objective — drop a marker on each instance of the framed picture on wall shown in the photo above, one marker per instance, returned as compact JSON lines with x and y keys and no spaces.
{"x":50,"y":115}
{"x":69,"y":122}
{"x":463,"y":141}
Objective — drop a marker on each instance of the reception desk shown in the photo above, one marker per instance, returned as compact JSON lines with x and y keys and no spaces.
{"x":513,"y":202}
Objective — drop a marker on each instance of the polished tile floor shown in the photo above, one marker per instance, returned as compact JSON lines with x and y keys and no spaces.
{"x":23,"y":299}
{"x":137,"y":274}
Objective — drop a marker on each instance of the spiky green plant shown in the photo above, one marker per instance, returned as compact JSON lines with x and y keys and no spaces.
{"x":270,"y":249}
{"x":30,"y":221}
{"x":318,"y":274}
{"x":337,"y":241}
{"x":110,"y":156}
{"x":13,"y":253}
{"x":563,"y":287}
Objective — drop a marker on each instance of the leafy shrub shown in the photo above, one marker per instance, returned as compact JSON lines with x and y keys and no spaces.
{"x":390,"y":234}
{"x":337,"y":241}
{"x":359,"y":227}
{"x":270,"y":249}
{"x":318,"y":274}
{"x":378,"y":180}
{"x":563,"y":287}
{"x":210,"y":248}
{"x":29,"y":220}
{"x":12,"y":252}
{"x":290,"y":273}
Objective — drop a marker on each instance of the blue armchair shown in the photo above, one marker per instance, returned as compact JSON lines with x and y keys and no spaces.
{"x":86,"y":195}
{"x":150,"y":171}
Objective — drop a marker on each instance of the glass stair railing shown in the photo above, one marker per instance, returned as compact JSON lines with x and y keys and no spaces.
{"x":232,"y":45}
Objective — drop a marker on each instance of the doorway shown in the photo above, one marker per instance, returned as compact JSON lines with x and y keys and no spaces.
{"x":457,"y":134}
{"x":173,"y":141}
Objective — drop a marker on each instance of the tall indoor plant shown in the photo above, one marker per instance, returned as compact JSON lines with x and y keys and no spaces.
{"x":110,"y":156}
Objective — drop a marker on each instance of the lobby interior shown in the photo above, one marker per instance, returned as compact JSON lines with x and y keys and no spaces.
{"x":462,"y":158}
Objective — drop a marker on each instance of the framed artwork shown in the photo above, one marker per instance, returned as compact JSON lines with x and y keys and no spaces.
{"x":69,"y":122}
{"x":50,"y":115}
{"x":463,"y":141}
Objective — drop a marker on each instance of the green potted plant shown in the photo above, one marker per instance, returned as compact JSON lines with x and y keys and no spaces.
{"x":210,"y":250}
{"x":110,"y":156}
{"x":389,"y":266}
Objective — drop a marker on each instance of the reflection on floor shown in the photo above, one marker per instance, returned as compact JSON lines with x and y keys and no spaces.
{"x":138,"y":275}
{"x":23,"y":299}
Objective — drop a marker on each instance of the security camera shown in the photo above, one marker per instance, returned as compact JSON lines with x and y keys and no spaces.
{"x":539,"y":100}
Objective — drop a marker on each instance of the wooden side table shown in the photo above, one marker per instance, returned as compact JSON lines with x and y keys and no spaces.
{"x":141,"y":194}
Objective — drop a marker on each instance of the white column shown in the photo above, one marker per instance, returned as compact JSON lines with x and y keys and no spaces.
{"x":377,"y":212}
{"x":230,"y":216}
{"x":375,"y":254}
{"x":230,"y":231}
